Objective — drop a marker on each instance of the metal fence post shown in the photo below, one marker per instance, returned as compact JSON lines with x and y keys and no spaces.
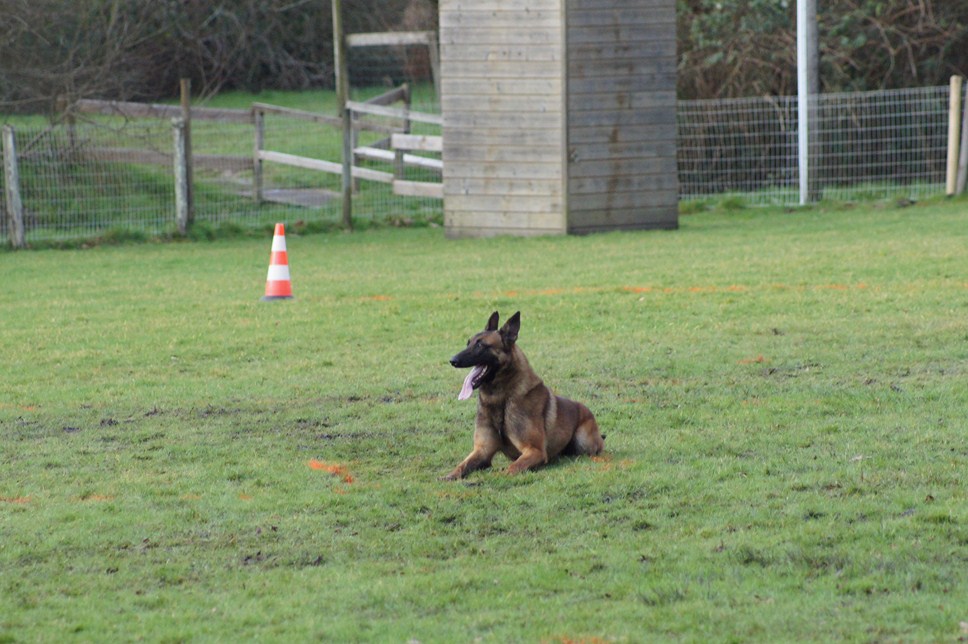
{"x":15,"y":206}
{"x":179,"y":161}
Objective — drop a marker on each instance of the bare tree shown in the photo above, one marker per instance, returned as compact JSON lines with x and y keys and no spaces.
{"x":54,"y":51}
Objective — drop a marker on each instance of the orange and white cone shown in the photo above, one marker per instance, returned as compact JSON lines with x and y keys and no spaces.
{"x":278,"y":284}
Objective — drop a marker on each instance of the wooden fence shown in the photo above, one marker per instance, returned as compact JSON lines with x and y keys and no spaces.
{"x":393,"y":149}
{"x":129,"y":110}
{"x":380,"y":114}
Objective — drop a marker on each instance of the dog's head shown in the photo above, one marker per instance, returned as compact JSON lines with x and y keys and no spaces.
{"x":487,"y":352}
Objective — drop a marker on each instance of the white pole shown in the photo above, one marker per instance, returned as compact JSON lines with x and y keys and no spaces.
{"x":803,"y":102}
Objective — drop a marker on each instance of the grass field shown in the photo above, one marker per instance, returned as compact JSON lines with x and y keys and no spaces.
{"x":784,"y":396}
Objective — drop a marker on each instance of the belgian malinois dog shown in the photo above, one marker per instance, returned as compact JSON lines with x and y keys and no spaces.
{"x":516,"y":413}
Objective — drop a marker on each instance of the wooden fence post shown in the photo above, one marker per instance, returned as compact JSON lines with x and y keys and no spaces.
{"x":354,"y":142}
{"x":954,"y":137}
{"x":342,"y":96}
{"x":181,"y":175}
{"x":399,"y":171}
{"x":963,"y":150}
{"x":434,"y":63}
{"x":398,"y":165}
{"x":15,"y":206}
{"x":260,"y":140}
{"x":186,"y":109}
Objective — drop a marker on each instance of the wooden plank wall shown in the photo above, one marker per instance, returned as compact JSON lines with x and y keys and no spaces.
{"x":502,"y":96}
{"x":559,"y":115}
{"x":621,"y":114}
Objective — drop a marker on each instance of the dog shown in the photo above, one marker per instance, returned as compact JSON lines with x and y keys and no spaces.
{"x":516,"y":413}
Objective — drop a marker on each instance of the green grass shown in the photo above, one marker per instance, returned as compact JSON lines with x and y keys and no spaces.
{"x":783,"y":393}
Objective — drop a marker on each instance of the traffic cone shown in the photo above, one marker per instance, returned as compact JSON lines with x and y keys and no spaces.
{"x":278,"y":286}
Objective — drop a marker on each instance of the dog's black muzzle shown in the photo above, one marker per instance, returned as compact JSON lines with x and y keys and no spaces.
{"x":462,"y":360}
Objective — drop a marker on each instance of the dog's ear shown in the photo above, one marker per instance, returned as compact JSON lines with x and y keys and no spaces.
{"x":492,"y":322}
{"x":509,"y":332}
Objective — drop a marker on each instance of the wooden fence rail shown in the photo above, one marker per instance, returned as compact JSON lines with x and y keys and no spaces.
{"x":379,"y":114}
{"x":394,"y":112}
{"x":160,"y":111}
{"x":401,"y":142}
{"x":371,"y":115}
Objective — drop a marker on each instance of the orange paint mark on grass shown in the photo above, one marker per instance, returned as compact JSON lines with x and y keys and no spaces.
{"x":607,"y":463}
{"x":97,"y":497}
{"x":581,"y":640}
{"x":551,"y":291}
{"x":335,"y":469}
{"x":756,"y":360}
{"x":379,"y":298}
{"x":676,"y":290}
{"x":670,"y":290}
{"x":18,"y":500}
{"x":18,"y":407}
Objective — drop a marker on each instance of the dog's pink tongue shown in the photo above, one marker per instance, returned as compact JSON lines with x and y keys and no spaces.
{"x":468,"y":388}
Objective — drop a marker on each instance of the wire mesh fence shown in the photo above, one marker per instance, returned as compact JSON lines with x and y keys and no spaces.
{"x":867,"y":145}
{"x":883,"y":143}
{"x":74,"y":181}
{"x":107,"y":173}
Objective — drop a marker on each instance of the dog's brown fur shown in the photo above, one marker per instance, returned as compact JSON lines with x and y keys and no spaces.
{"x":516,"y":413}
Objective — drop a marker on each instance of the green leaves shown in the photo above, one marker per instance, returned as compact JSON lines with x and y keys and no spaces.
{"x":730,"y":48}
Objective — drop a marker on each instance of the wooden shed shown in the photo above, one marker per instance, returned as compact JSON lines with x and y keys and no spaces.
{"x":559,"y":116}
